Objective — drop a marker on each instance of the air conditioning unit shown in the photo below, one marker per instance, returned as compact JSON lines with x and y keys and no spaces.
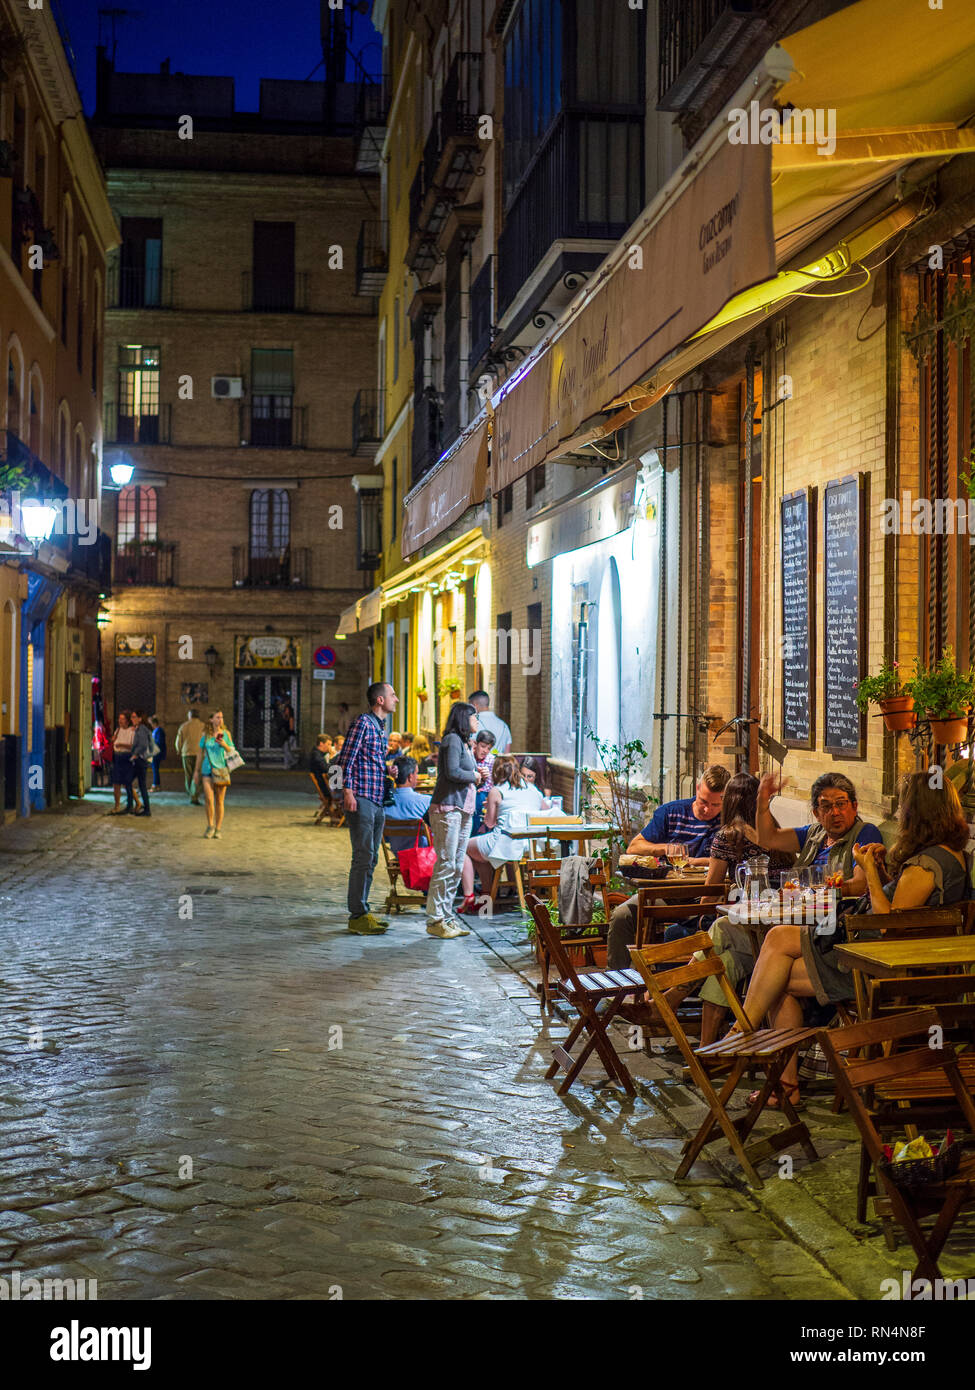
{"x":229,"y":388}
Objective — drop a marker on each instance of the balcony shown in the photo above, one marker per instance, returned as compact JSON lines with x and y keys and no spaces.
{"x":702,"y":44}
{"x":585,"y":184}
{"x":264,"y":294}
{"x":135,"y":287}
{"x":277,"y":423}
{"x":427,"y":433}
{"x":367,"y":423}
{"x":371,"y":112}
{"x":371,"y":258}
{"x":369,"y":539}
{"x":138,"y":429}
{"x":286,"y":569}
{"x":149,"y":563}
{"x":451,"y":160}
{"x":481,"y":315}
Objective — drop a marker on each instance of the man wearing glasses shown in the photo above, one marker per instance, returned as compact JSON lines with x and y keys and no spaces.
{"x":830,"y":841}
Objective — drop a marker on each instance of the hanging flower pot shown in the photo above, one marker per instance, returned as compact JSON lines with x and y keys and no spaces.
{"x":952,"y":728}
{"x":899,"y":713}
{"x":421,"y":695}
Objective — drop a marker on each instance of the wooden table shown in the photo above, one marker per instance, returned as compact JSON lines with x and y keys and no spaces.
{"x":886,"y":959}
{"x":563,"y":830}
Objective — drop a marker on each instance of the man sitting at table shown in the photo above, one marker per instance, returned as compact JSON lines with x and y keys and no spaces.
{"x":692,"y":822}
{"x":829,"y":843}
{"x":408,"y":803}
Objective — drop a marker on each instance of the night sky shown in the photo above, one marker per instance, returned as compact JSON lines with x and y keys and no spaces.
{"x":243,"y":39}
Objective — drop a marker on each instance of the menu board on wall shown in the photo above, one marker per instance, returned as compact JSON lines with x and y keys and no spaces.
{"x":798,"y":522}
{"x":844,"y":630}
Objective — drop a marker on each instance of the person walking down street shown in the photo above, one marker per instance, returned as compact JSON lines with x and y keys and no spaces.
{"x":122,"y":767}
{"x":159,"y":756}
{"x":451,"y":817}
{"x":363,"y":765}
{"x":187,"y":745}
{"x":143,"y":749}
{"x":212,"y":770}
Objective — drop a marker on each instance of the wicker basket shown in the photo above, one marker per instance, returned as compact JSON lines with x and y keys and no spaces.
{"x":918,"y":1172}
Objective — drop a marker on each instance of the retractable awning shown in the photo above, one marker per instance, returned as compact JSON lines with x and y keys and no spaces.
{"x":457,"y":482}
{"x":362,"y":614}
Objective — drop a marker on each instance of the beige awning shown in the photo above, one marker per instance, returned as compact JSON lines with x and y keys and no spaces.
{"x":709,"y":243}
{"x":457,"y":482}
{"x":362,"y":614}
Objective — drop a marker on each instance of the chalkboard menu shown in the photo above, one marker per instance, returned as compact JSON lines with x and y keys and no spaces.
{"x":798,"y":519}
{"x":844,"y":577}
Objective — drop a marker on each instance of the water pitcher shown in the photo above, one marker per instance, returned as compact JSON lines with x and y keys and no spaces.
{"x":752,"y":878}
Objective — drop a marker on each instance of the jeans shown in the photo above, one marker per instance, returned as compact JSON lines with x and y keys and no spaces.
{"x":450,"y":830}
{"x":140,"y":767}
{"x":366,"y":832}
{"x":155,"y":771}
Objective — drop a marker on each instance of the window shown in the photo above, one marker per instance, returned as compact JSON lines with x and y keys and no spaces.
{"x":34,"y":425}
{"x":136,"y":516}
{"x":270,"y":536}
{"x":140,"y":286}
{"x":370,"y":529}
{"x":272,"y":395}
{"x":274,"y":266}
{"x":502,"y":699}
{"x":63,"y":459}
{"x":138,"y":395}
{"x":79,"y":463}
{"x":506,"y":499}
{"x":534,"y":484}
{"x":533,"y":84}
{"x":67,"y":237}
{"x":533,"y":680}
{"x":396,"y":340}
{"x":13,"y":395}
{"x":82,"y":305}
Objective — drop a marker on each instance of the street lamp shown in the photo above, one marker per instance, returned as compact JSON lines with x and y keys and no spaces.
{"x":37,"y":519}
{"x":121,"y":474}
{"x":210,"y":657}
{"x":104,"y":617}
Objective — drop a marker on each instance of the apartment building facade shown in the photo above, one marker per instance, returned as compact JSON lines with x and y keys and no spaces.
{"x":240,"y":368}
{"x":56,"y":231}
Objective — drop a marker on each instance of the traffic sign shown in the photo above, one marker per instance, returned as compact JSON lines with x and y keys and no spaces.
{"x":324,"y":657}
{"x":321,"y":675}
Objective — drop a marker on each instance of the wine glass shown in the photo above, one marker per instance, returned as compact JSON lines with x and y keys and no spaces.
{"x":678,"y":859}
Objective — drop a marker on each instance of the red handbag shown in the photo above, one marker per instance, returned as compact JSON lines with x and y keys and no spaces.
{"x":416,"y":864}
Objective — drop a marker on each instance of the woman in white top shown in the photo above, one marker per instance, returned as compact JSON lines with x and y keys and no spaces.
{"x":122,"y":765}
{"x":510,"y":802}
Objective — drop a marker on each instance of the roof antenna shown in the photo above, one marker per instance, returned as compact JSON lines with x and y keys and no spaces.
{"x":114,"y":14}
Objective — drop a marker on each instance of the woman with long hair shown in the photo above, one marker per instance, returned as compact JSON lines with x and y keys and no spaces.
{"x":451,"y":814}
{"x":211,"y":769}
{"x":510,"y":802}
{"x":927,"y":866}
{"x":123,"y":768}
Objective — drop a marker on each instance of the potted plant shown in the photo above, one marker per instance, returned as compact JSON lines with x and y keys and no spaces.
{"x":449,"y":687}
{"x":421,"y":690}
{"x":895,"y":701}
{"x":590,"y":940}
{"x":946,"y":695}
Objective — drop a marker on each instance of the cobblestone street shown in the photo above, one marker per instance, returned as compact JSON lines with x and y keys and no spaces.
{"x":253,"y":1103}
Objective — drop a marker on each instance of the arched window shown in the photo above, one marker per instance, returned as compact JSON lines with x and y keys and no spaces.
{"x":136,"y":517}
{"x":15,"y":387}
{"x":96,"y":318}
{"x":64,"y":448}
{"x":39,"y":183}
{"x":80,"y":462}
{"x":35,"y":407}
{"x":67,"y":245}
{"x":270,"y":536}
{"x":82,"y":302}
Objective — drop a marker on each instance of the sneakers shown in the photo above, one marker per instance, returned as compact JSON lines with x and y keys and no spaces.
{"x":446,"y":930}
{"x":367,"y":925}
{"x":209,"y":833}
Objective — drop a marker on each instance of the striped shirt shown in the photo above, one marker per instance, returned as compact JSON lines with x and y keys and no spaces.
{"x":675,"y":823}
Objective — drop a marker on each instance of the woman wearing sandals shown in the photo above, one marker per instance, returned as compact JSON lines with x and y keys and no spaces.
{"x":211,"y":768}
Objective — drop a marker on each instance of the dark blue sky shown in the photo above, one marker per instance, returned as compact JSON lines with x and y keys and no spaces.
{"x":243,"y":39}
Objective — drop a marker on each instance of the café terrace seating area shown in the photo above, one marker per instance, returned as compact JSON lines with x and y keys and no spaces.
{"x":895,"y":1063}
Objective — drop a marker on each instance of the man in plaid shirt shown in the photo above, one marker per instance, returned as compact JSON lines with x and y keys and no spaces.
{"x":363,"y":765}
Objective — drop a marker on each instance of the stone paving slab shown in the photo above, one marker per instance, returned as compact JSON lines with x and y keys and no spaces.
{"x":210,"y":1090}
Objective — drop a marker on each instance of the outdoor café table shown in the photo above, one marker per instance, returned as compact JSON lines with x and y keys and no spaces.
{"x":563,"y":831}
{"x":884,"y":960}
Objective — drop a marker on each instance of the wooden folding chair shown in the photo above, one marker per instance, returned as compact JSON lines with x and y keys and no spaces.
{"x":653,"y":916}
{"x":921,"y":921}
{"x":768,"y":1050}
{"x":896,"y":1088}
{"x":324,"y":802}
{"x":542,"y":876}
{"x":399,"y":896}
{"x":584,"y":992}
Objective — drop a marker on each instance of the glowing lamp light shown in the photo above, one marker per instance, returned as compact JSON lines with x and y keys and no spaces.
{"x":38,"y":520}
{"x":104,"y":617}
{"x":121,"y":474}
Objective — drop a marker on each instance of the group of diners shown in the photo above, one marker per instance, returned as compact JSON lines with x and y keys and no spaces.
{"x":797,"y":973}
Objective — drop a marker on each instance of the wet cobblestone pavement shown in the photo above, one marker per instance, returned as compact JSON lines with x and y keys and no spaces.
{"x":248,"y":1102}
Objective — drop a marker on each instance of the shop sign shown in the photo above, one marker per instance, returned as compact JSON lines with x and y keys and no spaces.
{"x":267,"y":653}
{"x":134,"y":646}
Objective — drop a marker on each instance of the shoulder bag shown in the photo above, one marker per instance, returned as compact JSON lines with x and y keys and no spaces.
{"x":416,"y":864}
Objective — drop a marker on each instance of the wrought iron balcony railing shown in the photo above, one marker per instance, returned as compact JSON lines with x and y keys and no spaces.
{"x":149,"y":563}
{"x":367,"y":422}
{"x":371,"y":258}
{"x":139,"y":287}
{"x":285,"y":569}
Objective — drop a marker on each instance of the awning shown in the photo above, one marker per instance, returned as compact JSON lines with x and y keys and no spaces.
{"x":457,"y":482}
{"x":709,"y":243}
{"x":362,"y":614}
